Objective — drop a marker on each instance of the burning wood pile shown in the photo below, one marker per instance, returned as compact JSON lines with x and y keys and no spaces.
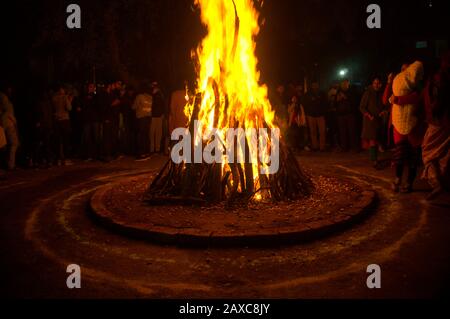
{"x":230,"y":119}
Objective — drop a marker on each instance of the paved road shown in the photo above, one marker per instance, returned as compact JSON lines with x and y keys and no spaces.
{"x":44,"y":227}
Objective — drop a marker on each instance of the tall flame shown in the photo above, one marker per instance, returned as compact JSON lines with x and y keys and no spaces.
{"x":227,"y":74}
{"x":226,"y":57}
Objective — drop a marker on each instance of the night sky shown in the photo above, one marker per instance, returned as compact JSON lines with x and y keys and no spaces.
{"x":152,"y":39}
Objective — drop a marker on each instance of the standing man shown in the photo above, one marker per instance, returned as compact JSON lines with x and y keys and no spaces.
{"x":346,"y":106}
{"x":115,"y":110}
{"x":143,"y":110}
{"x":331,"y":117}
{"x":408,"y":121}
{"x":110,"y":104}
{"x":44,"y":129}
{"x":3,"y":143}
{"x":9,"y":123}
{"x":436,"y":144}
{"x":315,"y":105}
{"x":91,"y":124}
{"x":159,"y":111}
{"x":61,"y":107}
{"x":373,"y":111}
{"x":127,"y":138}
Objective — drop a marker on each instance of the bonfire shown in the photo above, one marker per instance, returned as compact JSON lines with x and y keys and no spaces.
{"x":229,"y":96}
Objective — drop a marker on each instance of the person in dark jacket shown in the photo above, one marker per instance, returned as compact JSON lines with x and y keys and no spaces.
{"x":373,"y":110}
{"x":159,"y":111}
{"x":315,"y":105}
{"x":91,"y":123}
{"x":62,"y":105}
{"x":346,"y":109}
{"x":436,"y":143}
{"x":43,"y":154}
{"x":127,"y":138}
{"x":110,"y":104}
{"x":142,"y":107}
{"x":9,"y":124}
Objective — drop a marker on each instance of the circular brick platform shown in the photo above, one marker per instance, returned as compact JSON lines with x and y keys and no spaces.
{"x":337,"y":203}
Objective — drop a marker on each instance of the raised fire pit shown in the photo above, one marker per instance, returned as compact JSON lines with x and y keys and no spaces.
{"x":333,"y":205}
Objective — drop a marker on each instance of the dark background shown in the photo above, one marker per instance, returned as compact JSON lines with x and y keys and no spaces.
{"x":152,"y":39}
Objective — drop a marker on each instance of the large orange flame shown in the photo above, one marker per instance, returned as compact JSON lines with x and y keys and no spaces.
{"x":228,"y":77}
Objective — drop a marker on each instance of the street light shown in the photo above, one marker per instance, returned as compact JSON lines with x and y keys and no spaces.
{"x":343,"y":72}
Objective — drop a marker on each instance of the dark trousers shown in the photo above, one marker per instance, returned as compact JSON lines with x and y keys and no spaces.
{"x":384,"y":131}
{"x":332,"y":129}
{"x":76,"y":137}
{"x":42,"y":152}
{"x":127,"y":137}
{"x":348,"y":136}
{"x":62,"y":137}
{"x":143,"y":136}
{"x":297,"y":136}
{"x":110,"y":129}
{"x":91,"y":140}
{"x":407,"y":155}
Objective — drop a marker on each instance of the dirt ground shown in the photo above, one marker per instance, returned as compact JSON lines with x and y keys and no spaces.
{"x":45,"y":227}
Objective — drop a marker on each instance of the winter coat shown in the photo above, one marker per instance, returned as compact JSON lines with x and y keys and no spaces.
{"x":346,"y":102}
{"x":8,"y":120}
{"x":61,"y":107}
{"x":159,"y":107}
{"x":404,"y":117}
{"x":90,"y":108}
{"x":372,"y":104}
{"x":315,"y":104}
{"x":143,"y":105}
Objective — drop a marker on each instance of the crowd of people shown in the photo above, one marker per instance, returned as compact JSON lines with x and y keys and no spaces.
{"x":409,"y":115}
{"x":102,"y":122}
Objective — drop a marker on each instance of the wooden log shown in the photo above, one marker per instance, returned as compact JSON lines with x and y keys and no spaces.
{"x":248,"y":169}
